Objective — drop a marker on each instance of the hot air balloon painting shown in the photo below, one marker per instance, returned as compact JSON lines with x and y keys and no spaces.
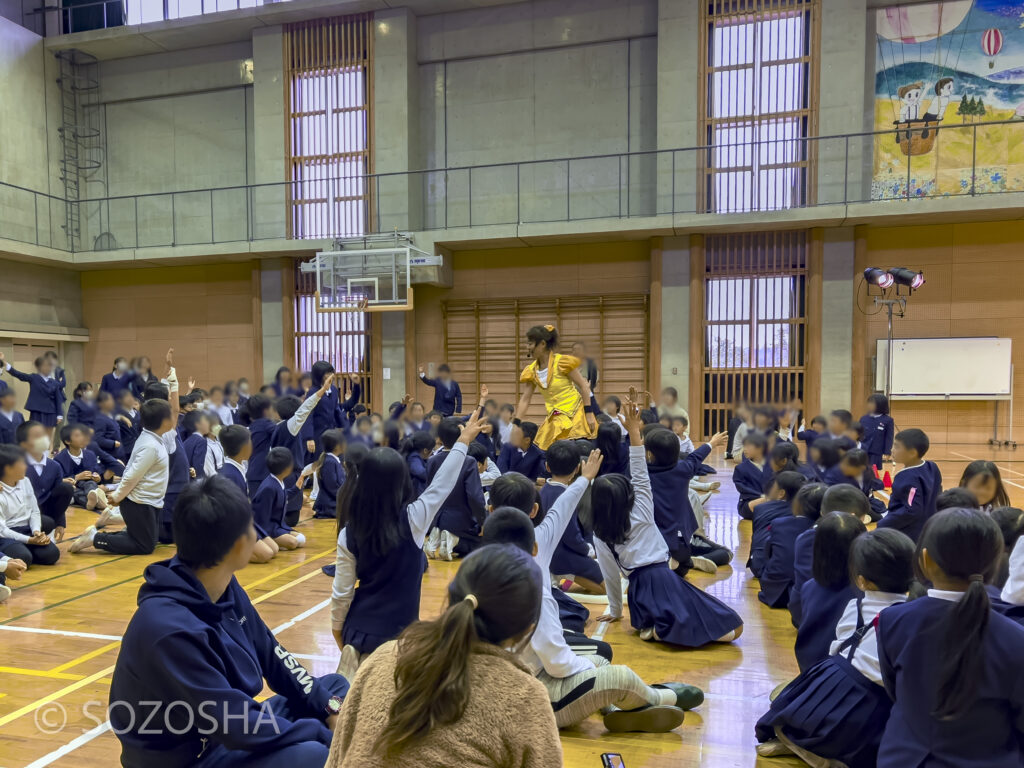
{"x":991,"y":45}
{"x":949,"y":98}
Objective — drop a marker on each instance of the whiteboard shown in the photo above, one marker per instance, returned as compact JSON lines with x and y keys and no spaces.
{"x":947,"y":369}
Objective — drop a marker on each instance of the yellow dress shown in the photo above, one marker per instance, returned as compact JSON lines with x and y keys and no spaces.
{"x":566,"y":419}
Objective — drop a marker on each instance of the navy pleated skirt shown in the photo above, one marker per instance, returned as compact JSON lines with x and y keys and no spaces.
{"x":679,"y":612}
{"x":46,"y":419}
{"x":833,"y":711}
{"x":362,"y":641}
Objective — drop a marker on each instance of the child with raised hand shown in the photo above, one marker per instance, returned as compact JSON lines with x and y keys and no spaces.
{"x":779,"y":553}
{"x":879,"y":429}
{"x":949,"y":662}
{"x":45,"y":402}
{"x":982,"y":478}
{"x":837,"y":709}
{"x":571,"y":556}
{"x":380,"y":547}
{"x":662,"y":605}
{"x":824,"y":598}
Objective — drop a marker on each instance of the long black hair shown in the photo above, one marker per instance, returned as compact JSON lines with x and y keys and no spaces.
{"x":611,"y":501}
{"x":965,"y":544}
{"x":416,"y":442}
{"x":987,"y":469}
{"x":355,"y":453}
{"x":382,"y":491}
{"x":835,"y":534}
{"x":609,"y":442}
{"x":1011,"y":524}
{"x":885,"y":557}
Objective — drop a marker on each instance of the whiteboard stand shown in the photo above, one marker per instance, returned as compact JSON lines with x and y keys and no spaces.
{"x":1009,"y":442}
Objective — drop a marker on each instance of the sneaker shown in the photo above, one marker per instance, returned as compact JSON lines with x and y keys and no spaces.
{"x":106,"y":516}
{"x":647,"y":634}
{"x":84,"y":541}
{"x":101,"y":498}
{"x":687,"y":696}
{"x":773,"y":748}
{"x":92,"y":499}
{"x":5,"y":592}
{"x":655,"y":719}
{"x":703,"y":564}
{"x":813,"y":760}
{"x":444,"y":552}
{"x":432,"y":544}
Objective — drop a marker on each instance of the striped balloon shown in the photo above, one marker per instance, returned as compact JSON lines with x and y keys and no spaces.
{"x":991,"y":42}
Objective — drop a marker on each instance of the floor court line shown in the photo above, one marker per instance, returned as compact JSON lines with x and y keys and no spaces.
{"x":49,"y":674}
{"x":1002,"y":468}
{"x":85,"y":657}
{"x":73,"y":599}
{"x":68,"y":573}
{"x":71,"y":746}
{"x":55,"y":696}
{"x":61,"y":632}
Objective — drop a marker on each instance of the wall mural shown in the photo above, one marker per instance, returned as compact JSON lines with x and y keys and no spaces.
{"x":958,"y":63}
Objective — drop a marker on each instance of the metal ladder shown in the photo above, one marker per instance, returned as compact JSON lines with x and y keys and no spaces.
{"x":80,"y":133}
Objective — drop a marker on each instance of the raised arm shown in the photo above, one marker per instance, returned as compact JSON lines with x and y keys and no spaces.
{"x":172,"y":386}
{"x":353,"y":399}
{"x":13,"y":371}
{"x":550,"y":531}
{"x":299,"y":417}
{"x":425,"y":508}
{"x":644,"y":499}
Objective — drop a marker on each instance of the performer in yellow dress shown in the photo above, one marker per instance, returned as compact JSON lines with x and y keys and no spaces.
{"x":567,"y":395}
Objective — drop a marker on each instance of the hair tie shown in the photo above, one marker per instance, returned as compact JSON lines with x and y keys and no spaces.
{"x":549,"y":327}
{"x":976,"y":577}
{"x":473,"y":601}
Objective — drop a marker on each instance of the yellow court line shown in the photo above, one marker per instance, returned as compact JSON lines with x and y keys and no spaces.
{"x":58,"y":675}
{"x":290,"y":568}
{"x":86,"y":656}
{"x":55,"y":696}
{"x":283,"y":587}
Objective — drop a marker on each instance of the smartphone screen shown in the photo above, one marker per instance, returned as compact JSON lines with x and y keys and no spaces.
{"x":612,"y":760}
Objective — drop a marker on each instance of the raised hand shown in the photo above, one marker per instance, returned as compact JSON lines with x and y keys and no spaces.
{"x":719,"y":440}
{"x":420,"y":370}
{"x":191,"y":383}
{"x":591,"y":465}
{"x":483,"y":391}
{"x":326,"y":386}
{"x":169,"y":358}
{"x":473,"y":426}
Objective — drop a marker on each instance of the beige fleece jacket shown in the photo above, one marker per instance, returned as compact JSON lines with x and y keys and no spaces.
{"x":508,"y":721}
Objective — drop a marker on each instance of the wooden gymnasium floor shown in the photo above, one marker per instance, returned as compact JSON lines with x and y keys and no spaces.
{"x":59,"y":640}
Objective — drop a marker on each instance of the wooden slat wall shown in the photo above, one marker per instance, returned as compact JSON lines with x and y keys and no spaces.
{"x":750,"y":92}
{"x":341,"y":338}
{"x":485,"y":340}
{"x":754,"y":367}
{"x":329,"y":125}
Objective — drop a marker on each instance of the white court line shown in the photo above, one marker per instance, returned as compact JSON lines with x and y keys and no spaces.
{"x":1002,"y":468}
{"x":602,"y":627}
{"x":40,"y":631}
{"x":71,"y":746}
{"x":102,"y":728}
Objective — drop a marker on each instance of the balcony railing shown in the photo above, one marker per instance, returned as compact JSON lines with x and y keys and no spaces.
{"x":724,"y":179}
{"x":102,"y":14}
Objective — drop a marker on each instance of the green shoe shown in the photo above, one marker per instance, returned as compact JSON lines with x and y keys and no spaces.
{"x":687,"y":696}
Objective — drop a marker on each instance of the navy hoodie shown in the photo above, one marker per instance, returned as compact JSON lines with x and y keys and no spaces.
{"x":182,"y":647}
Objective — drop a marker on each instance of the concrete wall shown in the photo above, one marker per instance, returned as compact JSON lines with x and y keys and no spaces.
{"x":534,"y":81}
{"x":837,"y":319}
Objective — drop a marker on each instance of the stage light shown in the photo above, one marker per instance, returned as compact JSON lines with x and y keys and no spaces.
{"x":908,"y":277}
{"x":879,"y":277}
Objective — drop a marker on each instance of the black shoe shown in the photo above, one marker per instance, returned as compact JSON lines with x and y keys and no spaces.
{"x":687,"y":696}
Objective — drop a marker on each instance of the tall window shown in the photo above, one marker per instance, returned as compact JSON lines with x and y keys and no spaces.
{"x":760,"y":75}
{"x":142,"y":11}
{"x":328,"y":73}
{"x":755,"y":310}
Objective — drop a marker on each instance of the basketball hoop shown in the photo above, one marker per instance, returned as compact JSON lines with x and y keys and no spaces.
{"x":363,"y":280}
{"x":354,"y":303}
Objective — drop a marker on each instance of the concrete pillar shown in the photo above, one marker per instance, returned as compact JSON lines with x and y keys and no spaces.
{"x":398,"y":199}
{"x":392,"y":356}
{"x":675,"y":317}
{"x":272,"y":321}
{"x":837,"y":294}
{"x":268,"y":204}
{"x":842,"y":83}
{"x":678,"y":95}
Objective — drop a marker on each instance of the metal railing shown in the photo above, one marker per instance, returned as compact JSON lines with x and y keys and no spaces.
{"x":105,"y":14}
{"x":764,"y":176}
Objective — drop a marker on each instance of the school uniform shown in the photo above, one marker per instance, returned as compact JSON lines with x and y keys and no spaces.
{"x":447,"y":395}
{"x":571,"y":555}
{"x":53,"y":495}
{"x":617,"y":463}
{"x":463,"y":512}
{"x":145,"y":478}
{"x":72,"y":465}
{"x":387,"y":599}
{"x":44,"y":403}
{"x":82,"y":411}
{"x":572,"y":614}
{"x":776,"y":578}
{"x":9,"y":423}
{"x":807,"y":436}
{"x":289,"y":434}
{"x":331,"y":477}
{"x":748,"y":478}
{"x":913,"y":497}
{"x":129,"y":432}
{"x":138,"y":383}
{"x":178,"y":478}
{"x":105,"y":434}
{"x":765,"y":515}
{"x":911,"y":648}
{"x":492,"y":450}
{"x":329,"y":412}
{"x":834,"y":476}
{"x":19,"y":519}
{"x":225,"y":413}
{"x":268,"y":507}
{"x":214,"y":456}
{"x":417,"y":473}
{"x":838,"y":708}
{"x":803,"y":571}
{"x":260,"y":432}
{"x":673,"y":513}
{"x":679,"y":613}
{"x":821,"y":610}
{"x":1011,"y":611}
{"x":181,"y":652}
{"x":879,"y":430}
{"x":529,"y":462}
{"x":235,"y":472}
{"x":116,"y":384}
{"x":195,"y":452}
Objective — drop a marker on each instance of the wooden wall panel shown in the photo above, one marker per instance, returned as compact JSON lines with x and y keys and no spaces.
{"x":974,"y":274}
{"x":209,"y":314}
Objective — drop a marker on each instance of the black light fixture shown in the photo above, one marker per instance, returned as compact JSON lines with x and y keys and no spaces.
{"x":907,"y":277}
{"x":879,"y":277}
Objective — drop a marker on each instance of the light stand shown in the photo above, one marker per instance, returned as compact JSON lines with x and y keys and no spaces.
{"x":890,"y":305}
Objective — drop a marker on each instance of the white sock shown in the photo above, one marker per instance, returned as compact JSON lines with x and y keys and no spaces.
{"x":300,"y":539}
{"x":668,"y":697}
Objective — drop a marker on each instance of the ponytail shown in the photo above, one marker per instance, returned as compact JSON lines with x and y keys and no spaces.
{"x":965,"y":544}
{"x":494,"y":598}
